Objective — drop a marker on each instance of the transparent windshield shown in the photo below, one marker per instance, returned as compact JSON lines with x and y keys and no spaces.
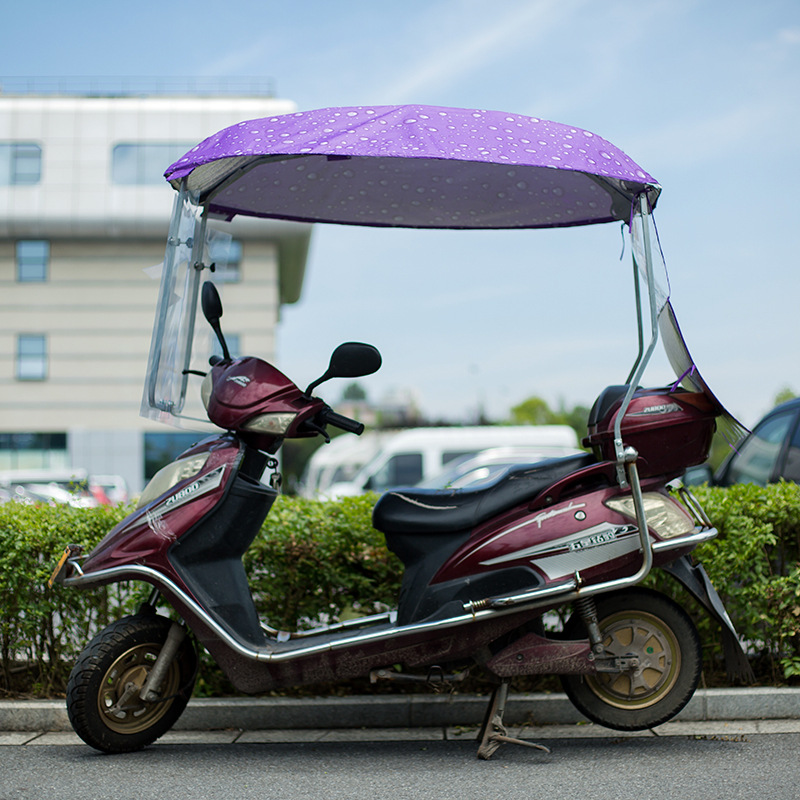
{"x":644,"y":239}
{"x":171,"y":393}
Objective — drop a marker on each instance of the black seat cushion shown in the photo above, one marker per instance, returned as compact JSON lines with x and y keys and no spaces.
{"x":449,"y":510}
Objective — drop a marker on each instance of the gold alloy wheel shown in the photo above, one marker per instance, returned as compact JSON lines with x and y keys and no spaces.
{"x":118,"y":701}
{"x":655,"y":645}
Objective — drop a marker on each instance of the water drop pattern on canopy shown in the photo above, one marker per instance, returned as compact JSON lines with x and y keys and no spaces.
{"x":413,"y":166}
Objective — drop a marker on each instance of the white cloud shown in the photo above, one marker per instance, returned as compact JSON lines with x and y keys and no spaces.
{"x":462,"y":55}
{"x":241,"y":60}
{"x":790,"y":36}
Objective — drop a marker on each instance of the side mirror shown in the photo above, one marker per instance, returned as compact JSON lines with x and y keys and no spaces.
{"x":350,"y":360}
{"x":212,"y":311}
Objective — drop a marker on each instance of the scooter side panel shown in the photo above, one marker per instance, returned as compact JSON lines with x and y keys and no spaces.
{"x":145,"y":536}
{"x":577,"y":535}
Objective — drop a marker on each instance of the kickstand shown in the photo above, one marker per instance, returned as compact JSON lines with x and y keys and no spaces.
{"x":493,"y":732}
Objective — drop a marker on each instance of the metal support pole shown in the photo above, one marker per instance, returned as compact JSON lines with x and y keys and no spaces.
{"x":641,"y":363}
{"x":193,"y":280}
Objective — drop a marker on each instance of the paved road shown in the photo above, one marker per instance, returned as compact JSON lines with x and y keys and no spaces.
{"x":701,"y":766}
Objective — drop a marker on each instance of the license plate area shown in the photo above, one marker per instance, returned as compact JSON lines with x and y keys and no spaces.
{"x":70,"y":552}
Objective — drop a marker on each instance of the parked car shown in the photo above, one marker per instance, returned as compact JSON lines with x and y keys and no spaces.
{"x":767,"y":454}
{"x":49,"y":486}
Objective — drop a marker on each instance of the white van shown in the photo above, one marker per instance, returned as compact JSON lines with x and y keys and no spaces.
{"x":339,"y":461}
{"x":413,"y":455}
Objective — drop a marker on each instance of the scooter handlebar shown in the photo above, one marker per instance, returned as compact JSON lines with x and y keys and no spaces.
{"x":330,"y":417}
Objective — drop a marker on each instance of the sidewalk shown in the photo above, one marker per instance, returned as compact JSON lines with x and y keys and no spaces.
{"x":711,"y":712}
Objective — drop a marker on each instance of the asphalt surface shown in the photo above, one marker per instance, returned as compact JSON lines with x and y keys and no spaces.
{"x":365,"y":766}
{"x":738,"y":744}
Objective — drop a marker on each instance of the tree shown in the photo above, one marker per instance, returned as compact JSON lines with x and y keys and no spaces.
{"x":533,"y":411}
{"x":354,"y":393}
{"x":536,"y":411}
{"x":783,"y":395}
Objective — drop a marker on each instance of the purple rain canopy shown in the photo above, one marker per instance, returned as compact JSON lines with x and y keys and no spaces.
{"x":413,"y":166}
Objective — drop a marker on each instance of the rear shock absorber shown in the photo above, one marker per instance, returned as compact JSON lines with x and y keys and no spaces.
{"x":586,"y":607}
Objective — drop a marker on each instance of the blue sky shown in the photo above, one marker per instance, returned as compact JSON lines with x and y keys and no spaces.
{"x":704,"y":94}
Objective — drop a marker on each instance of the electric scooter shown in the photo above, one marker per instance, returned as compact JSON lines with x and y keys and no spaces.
{"x":482,"y":566}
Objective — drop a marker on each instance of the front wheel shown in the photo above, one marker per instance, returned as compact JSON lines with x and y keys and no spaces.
{"x":103,"y":690}
{"x":662,"y":636}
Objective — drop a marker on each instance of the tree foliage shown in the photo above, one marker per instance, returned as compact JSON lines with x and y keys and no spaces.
{"x":784,"y":395}
{"x":536,"y":411}
{"x":354,"y":392}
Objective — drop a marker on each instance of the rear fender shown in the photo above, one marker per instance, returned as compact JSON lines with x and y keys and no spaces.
{"x":695,"y":580}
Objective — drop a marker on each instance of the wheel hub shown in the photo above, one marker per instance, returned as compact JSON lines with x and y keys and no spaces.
{"x":118,"y":700}
{"x":645,"y":639}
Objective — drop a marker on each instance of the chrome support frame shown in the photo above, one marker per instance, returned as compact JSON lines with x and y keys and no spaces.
{"x":198,"y":245}
{"x":306,"y":645}
{"x":352,"y":624}
{"x":642,"y":360}
{"x":383,"y":626}
{"x":697,"y":510}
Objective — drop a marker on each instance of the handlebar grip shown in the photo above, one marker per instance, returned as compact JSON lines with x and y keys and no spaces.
{"x":344,"y":423}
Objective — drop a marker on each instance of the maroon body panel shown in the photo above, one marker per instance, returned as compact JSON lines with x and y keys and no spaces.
{"x":144,"y":537}
{"x":535,"y":655}
{"x":248,"y":387}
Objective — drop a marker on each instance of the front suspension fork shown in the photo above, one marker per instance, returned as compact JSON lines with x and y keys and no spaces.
{"x":150,"y":691}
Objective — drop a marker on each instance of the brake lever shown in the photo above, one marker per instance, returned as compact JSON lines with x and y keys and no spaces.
{"x":312,"y":426}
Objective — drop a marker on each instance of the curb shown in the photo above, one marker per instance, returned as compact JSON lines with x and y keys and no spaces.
{"x":406,"y":711}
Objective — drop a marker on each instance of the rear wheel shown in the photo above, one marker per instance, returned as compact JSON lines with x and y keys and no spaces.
{"x":657,"y":631}
{"x":103,"y":700}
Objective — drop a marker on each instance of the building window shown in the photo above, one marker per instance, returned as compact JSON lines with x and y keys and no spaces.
{"x":33,"y":451}
{"x":20,"y":163}
{"x":33,"y":258}
{"x":226,"y":255}
{"x":31,"y":357}
{"x":144,"y":164}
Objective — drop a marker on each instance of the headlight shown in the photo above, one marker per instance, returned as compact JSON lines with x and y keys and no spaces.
{"x":169,"y":476}
{"x":666,"y":518}
{"x":276,"y":424}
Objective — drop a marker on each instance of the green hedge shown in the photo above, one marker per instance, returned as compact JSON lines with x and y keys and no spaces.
{"x":312,"y":562}
{"x":755,"y":565}
{"x":320,"y":562}
{"x":317,"y":561}
{"x":42,"y":631}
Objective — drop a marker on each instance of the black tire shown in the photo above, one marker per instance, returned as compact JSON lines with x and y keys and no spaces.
{"x":122,"y":654}
{"x":651,"y":626}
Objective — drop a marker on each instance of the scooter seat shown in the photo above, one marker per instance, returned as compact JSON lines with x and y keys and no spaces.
{"x":448,"y":510}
